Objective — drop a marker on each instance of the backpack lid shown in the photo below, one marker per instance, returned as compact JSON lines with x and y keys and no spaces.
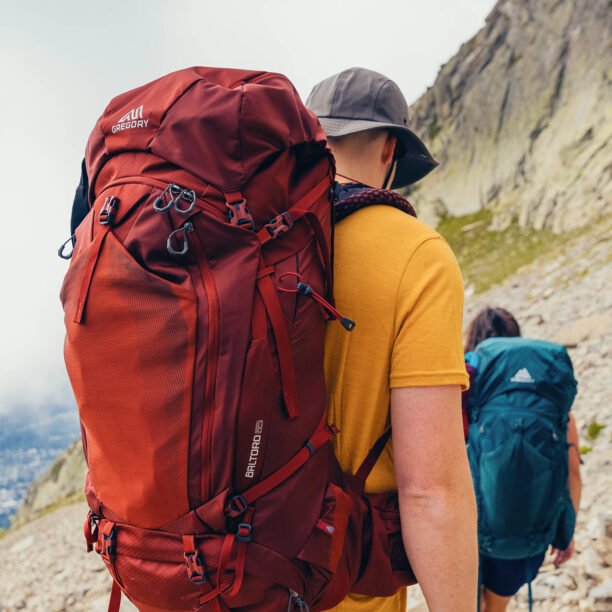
{"x":525,"y":364}
{"x":218,"y":124}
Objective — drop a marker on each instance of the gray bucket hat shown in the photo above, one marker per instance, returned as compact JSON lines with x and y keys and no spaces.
{"x":358,"y":99}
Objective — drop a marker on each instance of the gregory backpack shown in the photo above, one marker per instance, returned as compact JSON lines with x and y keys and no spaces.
{"x":518,"y":410}
{"x":195,"y":307}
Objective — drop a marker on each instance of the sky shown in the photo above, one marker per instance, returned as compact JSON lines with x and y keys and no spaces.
{"x":60,"y":64}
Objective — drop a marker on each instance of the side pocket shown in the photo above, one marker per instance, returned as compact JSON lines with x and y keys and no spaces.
{"x":516,"y":482}
{"x":326,"y":542}
{"x":131,"y":365}
{"x":385,"y":567}
{"x":565,"y":526}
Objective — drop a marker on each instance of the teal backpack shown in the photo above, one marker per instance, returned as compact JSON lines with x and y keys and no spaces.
{"x":518,"y":411}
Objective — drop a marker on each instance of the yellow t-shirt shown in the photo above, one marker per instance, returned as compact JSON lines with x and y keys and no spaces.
{"x":400,"y":282}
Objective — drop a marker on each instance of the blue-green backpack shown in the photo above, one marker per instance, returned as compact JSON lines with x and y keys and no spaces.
{"x":518,"y":411}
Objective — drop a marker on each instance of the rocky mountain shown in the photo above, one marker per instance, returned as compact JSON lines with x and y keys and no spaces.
{"x":521,"y":118}
{"x":31,"y":437}
{"x":63,"y":481}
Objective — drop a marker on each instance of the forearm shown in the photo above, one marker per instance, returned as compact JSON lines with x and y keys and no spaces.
{"x":436,"y":496}
{"x":575,"y":487}
{"x":440,"y":539}
{"x":574,"y":482}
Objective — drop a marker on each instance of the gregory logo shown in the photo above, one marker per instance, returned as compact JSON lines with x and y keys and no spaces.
{"x":133,"y":119}
{"x":254,"y":456}
{"x":522,"y":376}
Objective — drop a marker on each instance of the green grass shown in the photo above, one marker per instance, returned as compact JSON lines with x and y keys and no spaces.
{"x":434,"y":128}
{"x":487,"y":258}
{"x":67,"y":501}
{"x":594,"y":430}
{"x":56,"y":468}
{"x":585,"y":450}
{"x":514,"y":59}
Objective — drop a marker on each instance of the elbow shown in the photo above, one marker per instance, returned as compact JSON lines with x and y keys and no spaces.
{"x":449,"y":496}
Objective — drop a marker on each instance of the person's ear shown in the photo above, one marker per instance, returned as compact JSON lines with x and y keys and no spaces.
{"x":389,"y":148}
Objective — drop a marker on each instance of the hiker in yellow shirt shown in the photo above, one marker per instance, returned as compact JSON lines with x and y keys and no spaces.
{"x":403,"y":363}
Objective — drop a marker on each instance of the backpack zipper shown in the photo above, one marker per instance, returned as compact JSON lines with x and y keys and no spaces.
{"x":212,"y":362}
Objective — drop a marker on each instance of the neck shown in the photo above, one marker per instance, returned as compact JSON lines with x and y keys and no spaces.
{"x":363,"y":173}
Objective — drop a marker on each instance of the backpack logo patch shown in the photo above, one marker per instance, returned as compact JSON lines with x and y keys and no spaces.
{"x":132,"y":119}
{"x":254,"y":456}
{"x":522,"y":376}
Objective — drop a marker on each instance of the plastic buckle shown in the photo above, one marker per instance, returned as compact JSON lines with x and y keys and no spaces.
{"x":238,"y":504}
{"x":279,"y":225}
{"x":108,"y":210}
{"x":90,"y":529}
{"x":195,"y":569}
{"x":109,"y":543}
{"x":243,"y":533}
{"x":240,"y":215}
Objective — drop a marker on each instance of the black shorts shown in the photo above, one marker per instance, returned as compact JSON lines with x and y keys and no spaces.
{"x":506,"y":576}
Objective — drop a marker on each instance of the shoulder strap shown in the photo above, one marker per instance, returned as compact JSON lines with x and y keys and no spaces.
{"x":372,"y":457}
{"x":350,"y":197}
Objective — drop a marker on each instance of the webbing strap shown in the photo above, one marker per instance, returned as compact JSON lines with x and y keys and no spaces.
{"x":115,"y":598}
{"x":230,"y":542}
{"x":266,"y":289}
{"x":92,"y":260}
{"x":91,"y":536}
{"x":322,"y":434}
{"x":372,"y":457}
{"x":530,"y":598}
{"x":301,"y":207}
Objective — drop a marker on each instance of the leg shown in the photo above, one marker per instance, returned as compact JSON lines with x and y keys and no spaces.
{"x":492,"y":602}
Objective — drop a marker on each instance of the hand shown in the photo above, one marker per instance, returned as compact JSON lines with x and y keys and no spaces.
{"x":561,"y":556}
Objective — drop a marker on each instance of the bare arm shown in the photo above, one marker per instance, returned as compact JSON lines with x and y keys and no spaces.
{"x":436,"y":496}
{"x":575,"y":482}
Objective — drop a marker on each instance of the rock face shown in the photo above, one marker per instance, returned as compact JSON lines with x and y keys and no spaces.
{"x":520,"y":119}
{"x":64,"y":479}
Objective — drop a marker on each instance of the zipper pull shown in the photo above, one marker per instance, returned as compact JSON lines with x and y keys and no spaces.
{"x":306,"y":290}
{"x":184,"y":229}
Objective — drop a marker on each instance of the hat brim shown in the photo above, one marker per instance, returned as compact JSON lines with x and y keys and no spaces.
{"x":416,"y":162}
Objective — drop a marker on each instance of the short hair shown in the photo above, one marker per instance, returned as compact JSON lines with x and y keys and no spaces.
{"x":356,"y":140}
{"x":490,"y":323}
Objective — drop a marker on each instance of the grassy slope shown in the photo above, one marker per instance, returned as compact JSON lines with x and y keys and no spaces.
{"x":486,"y":257}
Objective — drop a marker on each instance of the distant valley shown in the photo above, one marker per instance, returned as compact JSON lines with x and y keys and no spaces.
{"x":30,"y":439}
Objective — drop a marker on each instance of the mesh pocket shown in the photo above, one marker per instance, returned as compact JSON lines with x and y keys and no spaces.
{"x":131,"y":367}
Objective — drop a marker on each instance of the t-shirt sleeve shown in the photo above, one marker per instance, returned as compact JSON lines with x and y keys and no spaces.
{"x":428,"y":347}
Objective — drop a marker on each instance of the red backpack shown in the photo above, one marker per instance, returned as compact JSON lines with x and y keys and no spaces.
{"x":195,"y":308}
